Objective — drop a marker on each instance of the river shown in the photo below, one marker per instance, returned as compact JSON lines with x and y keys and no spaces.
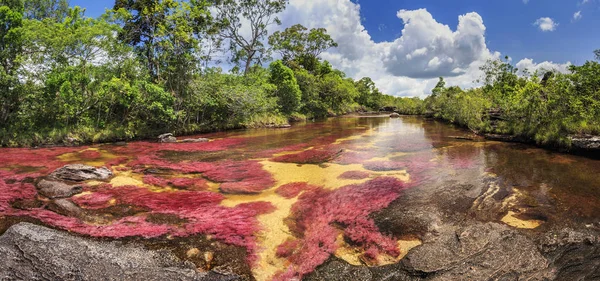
{"x":276,"y":204}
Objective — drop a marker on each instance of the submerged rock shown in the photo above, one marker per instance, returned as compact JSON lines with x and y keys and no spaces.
{"x":56,"y":189}
{"x":31,"y":252}
{"x":65,"y":207}
{"x":167,"y":138}
{"x":195,"y":140}
{"x":79,"y":172}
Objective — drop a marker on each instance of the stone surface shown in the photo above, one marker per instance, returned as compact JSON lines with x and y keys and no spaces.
{"x":55,"y":189}
{"x":65,"y":207}
{"x":195,"y":140}
{"x":31,"y":252}
{"x":394,"y":115}
{"x":79,"y":172}
{"x":167,"y":138}
{"x":586,"y":142}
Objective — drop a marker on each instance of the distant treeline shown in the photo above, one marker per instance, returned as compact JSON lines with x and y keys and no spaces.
{"x":545,"y":108}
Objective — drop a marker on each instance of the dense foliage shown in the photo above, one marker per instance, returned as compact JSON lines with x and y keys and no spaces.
{"x":146,"y":67}
{"x":546,"y":110}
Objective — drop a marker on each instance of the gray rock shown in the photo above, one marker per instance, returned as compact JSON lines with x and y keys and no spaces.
{"x":167,"y":138}
{"x":79,"y":172}
{"x":31,"y":252}
{"x":479,"y":252}
{"x":586,"y":142}
{"x":336,"y":269}
{"x":56,"y":189}
{"x":394,"y":115}
{"x":66,"y":207}
{"x":195,"y":140}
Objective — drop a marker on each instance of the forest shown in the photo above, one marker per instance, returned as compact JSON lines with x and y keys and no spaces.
{"x":147,"y":67}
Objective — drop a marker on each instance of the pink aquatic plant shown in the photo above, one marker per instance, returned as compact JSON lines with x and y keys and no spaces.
{"x":311,"y":156}
{"x":293,"y":189}
{"x":321,"y":215}
{"x":240,"y":176}
{"x":89,"y":155}
{"x":355,"y":175}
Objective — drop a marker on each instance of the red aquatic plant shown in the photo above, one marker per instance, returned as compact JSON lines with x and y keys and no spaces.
{"x":125,"y":227}
{"x":93,"y":201}
{"x":46,"y":159}
{"x":354,"y":175}
{"x":12,"y":189}
{"x":321,"y":215}
{"x":287,"y":248}
{"x":240,"y":176}
{"x":156,"y":181}
{"x":89,"y":154}
{"x":293,"y":189}
{"x":189,"y":183}
{"x":311,"y":156}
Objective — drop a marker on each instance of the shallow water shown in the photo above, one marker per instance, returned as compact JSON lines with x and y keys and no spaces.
{"x":292,"y":198}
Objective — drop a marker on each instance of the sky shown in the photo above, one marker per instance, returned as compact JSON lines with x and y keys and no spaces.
{"x":405,"y":45}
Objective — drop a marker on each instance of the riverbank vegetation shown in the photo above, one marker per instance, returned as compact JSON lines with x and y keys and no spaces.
{"x":151,"y":66}
{"x":546,"y":108}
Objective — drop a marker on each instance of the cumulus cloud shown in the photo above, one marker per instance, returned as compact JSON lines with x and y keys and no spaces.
{"x":577,"y":16}
{"x":546,"y":24}
{"x":409,"y":65}
{"x":529,"y":67}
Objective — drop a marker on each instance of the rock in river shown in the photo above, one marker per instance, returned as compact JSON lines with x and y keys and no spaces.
{"x":31,"y":252}
{"x":56,"y":189}
{"x":79,"y":172}
{"x":195,"y":140}
{"x":167,"y":138}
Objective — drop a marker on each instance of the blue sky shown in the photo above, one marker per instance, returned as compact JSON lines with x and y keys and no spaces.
{"x":510,"y":24}
{"x":404,"y":45}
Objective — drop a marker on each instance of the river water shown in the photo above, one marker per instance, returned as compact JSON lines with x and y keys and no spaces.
{"x":274,"y":204}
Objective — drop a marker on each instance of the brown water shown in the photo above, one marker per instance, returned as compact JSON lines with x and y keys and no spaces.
{"x":342,"y":171}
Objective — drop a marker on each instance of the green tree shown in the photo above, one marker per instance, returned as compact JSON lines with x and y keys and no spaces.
{"x":164,"y":33}
{"x":11,"y":45}
{"x":288,"y":90}
{"x":43,"y":9}
{"x":298,"y":44}
{"x":260,"y":14}
{"x":368,"y":94}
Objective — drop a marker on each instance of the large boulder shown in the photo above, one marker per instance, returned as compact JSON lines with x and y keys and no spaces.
{"x":167,"y":138}
{"x":56,"y":189}
{"x":80,"y":172}
{"x":31,"y":252}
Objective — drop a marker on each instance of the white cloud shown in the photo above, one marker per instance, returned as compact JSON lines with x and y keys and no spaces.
{"x":410,"y":64}
{"x":527,"y":1}
{"x":529,"y":67}
{"x":577,"y":16}
{"x":546,"y":24}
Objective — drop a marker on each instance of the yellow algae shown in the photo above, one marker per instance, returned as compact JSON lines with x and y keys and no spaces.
{"x":513,"y":221}
{"x":354,"y":256}
{"x":105,"y":156}
{"x":275,"y":232}
{"x":321,"y":175}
